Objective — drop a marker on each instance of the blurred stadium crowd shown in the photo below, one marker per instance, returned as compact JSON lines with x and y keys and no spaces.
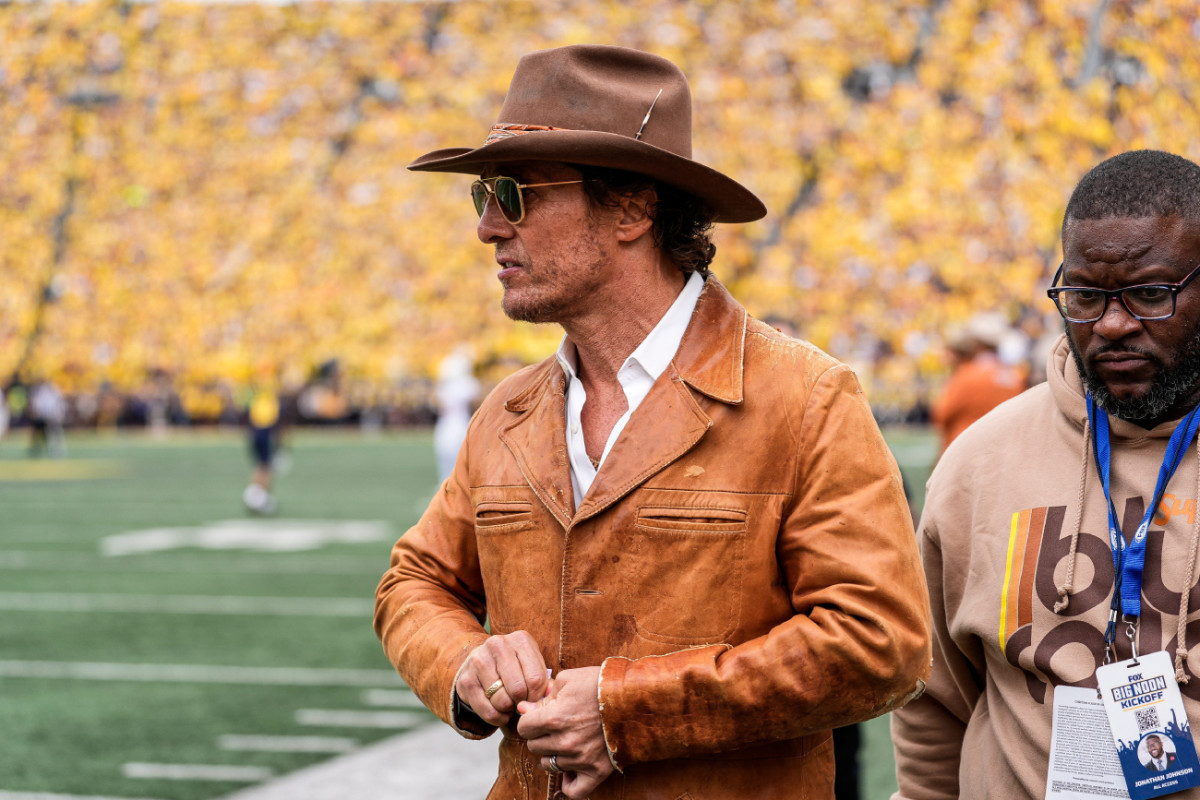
{"x":198,"y":197}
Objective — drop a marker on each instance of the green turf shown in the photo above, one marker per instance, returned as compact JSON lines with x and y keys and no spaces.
{"x":192,"y":639}
{"x":72,"y":736}
{"x":116,"y":722}
{"x":199,"y":583}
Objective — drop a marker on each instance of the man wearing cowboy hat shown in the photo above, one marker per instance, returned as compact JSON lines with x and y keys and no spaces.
{"x":688,"y":519}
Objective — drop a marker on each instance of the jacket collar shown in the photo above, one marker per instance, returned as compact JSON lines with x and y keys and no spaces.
{"x":710,"y":357}
{"x":667,"y":424}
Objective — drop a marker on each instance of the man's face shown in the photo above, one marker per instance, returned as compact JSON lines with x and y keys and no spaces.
{"x":1154,"y":747}
{"x":1144,"y":371}
{"x":552,"y":264}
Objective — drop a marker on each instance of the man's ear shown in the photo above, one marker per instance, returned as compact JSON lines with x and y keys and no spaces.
{"x":635,"y":217}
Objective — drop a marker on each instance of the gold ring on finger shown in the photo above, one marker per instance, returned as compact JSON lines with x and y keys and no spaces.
{"x":491,"y":690}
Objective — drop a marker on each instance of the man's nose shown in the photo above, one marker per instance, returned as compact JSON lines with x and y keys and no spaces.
{"x":493,"y":227}
{"x":1116,"y":322}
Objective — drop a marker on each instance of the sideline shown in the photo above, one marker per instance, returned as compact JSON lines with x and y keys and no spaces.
{"x":429,"y":763}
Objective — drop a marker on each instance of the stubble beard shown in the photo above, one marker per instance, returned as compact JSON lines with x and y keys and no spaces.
{"x":531,"y":309}
{"x":559,"y":289}
{"x":1169,"y":387}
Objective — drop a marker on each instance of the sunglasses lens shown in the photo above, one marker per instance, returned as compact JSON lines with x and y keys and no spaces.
{"x":508,"y":194}
{"x":479,"y":194}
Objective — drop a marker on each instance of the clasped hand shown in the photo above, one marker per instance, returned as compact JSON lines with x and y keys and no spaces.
{"x":559,"y":717}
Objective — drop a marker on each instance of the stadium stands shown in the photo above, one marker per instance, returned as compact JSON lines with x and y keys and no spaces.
{"x":190,"y":188}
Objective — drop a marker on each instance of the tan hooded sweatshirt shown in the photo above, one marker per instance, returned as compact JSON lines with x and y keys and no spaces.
{"x":998,"y":540}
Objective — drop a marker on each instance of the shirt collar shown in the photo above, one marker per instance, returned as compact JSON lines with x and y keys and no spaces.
{"x":658,"y":348}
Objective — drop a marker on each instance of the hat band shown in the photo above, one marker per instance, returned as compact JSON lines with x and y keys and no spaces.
{"x":506,"y":130}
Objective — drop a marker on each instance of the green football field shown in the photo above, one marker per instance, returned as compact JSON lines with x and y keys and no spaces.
{"x":155,"y":642}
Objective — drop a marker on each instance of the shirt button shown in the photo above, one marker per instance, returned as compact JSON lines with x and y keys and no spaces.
{"x":575,"y":429}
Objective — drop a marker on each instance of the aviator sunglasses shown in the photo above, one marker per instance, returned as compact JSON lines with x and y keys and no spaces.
{"x":509,"y":195}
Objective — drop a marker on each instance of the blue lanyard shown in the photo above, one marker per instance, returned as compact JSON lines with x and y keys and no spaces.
{"x":1129,"y":559}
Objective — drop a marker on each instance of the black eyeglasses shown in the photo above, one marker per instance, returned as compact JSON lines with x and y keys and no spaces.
{"x":1147,"y":301}
{"x":510,"y":195}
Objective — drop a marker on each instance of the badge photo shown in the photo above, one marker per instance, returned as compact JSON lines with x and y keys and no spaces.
{"x":1156,"y":751}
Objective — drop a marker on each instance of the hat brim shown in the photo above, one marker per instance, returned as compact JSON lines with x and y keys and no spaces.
{"x":729,"y":200}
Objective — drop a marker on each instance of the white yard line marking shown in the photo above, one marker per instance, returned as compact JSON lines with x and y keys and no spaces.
{"x":48,"y":796}
{"x":287,"y":744}
{"x":50,"y":561}
{"x":338,"y":718}
{"x":198,"y":673}
{"x":391,"y":698}
{"x":188,"y":604}
{"x":196,"y":772}
{"x":279,"y":535}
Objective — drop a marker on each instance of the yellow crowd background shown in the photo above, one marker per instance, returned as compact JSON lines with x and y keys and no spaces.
{"x":214,"y":192}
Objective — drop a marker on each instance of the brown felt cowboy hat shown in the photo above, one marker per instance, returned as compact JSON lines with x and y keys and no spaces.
{"x":601,"y":106}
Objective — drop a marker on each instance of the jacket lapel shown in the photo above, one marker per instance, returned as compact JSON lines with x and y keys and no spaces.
{"x":670,"y":421}
{"x":537,"y":440}
{"x":666,"y":425}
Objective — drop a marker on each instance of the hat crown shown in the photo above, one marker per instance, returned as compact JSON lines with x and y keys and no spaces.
{"x":587,"y":105}
{"x":604,"y":89}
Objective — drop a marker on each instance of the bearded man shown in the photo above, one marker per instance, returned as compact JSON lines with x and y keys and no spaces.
{"x":688,"y":518}
{"x":1015,"y":531}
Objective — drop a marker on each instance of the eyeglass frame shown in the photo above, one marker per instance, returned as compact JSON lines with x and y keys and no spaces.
{"x":1174,"y":288}
{"x":489,"y":186}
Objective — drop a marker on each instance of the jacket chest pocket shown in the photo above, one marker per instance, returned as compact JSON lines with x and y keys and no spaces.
{"x":498,"y":518}
{"x":505,"y":535}
{"x":686,"y":578}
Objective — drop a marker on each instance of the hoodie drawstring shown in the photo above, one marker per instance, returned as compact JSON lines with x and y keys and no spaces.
{"x":1181,"y":649}
{"x":1065,"y":589}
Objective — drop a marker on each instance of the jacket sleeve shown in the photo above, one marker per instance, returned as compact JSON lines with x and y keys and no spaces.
{"x":858,"y":642}
{"x":429,"y":606}
{"x":928,"y":733}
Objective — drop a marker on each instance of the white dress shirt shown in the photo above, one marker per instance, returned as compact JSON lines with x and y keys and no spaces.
{"x":636,"y":376}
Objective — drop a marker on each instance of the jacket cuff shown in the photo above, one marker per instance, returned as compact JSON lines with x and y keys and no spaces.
{"x":463,"y":720}
{"x":639,"y":703}
{"x":604,"y":727}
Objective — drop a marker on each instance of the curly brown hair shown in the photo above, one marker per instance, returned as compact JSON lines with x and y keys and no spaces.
{"x":682,"y":221}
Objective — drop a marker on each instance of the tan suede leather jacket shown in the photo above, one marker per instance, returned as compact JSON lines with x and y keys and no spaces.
{"x":744,"y":568}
